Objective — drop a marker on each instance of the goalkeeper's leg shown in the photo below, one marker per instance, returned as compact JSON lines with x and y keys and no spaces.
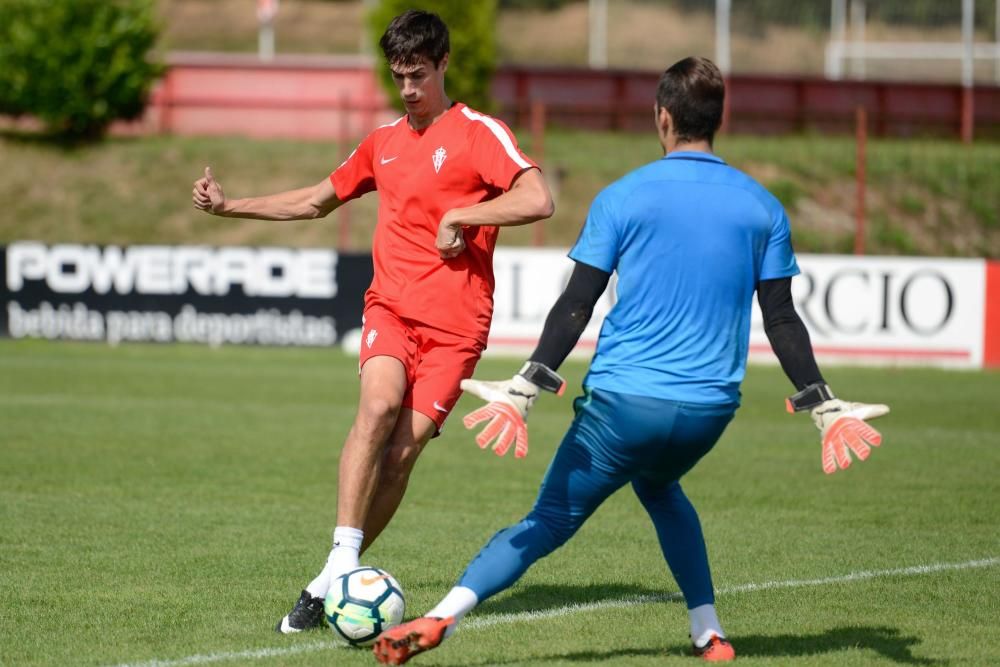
{"x":693,"y":434}
{"x":573,"y":488}
{"x":496,"y":567}
{"x":683,"y":544}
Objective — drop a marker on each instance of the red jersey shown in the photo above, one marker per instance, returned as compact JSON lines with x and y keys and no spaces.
{"x":464,"y":158}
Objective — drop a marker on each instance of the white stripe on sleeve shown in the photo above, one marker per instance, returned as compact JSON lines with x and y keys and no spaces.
{"x":501,"y":136}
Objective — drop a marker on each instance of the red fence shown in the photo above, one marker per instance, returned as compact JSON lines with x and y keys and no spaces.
{"x":761,"y":104}
{"x":340,"y":98}
{"x":298,"y":97}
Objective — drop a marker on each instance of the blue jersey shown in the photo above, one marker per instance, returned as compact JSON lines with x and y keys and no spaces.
{"x":689,"y":237}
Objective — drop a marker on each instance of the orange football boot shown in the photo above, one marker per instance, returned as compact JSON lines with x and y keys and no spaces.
{"x":716,"y":650}
{"x":397,"y":645}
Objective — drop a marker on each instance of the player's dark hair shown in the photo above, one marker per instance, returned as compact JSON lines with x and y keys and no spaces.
{"x":693,"y":91}
{"x":415,"y":34}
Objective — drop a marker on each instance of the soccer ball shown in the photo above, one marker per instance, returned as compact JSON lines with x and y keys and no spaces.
{"x":362,"y":604}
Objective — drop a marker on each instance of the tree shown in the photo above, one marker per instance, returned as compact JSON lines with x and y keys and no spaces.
{"x":77,"y":65}
{"x":473,"y":46}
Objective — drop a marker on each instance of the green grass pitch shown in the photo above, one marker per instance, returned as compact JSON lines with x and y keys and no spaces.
{"x":164,"y":506}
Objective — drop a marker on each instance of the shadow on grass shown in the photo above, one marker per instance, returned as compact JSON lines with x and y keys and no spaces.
{"x":577,"y":656}
{"x":541,"y":598}
{"x":887,"y":642}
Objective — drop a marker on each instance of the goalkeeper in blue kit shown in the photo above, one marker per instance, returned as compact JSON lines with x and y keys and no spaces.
{"x":691,"y":240}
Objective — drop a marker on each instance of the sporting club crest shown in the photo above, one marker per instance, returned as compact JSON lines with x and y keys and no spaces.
{"x":438,"y":158}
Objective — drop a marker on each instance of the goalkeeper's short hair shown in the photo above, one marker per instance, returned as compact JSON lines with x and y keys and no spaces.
{"x":694,"y":92}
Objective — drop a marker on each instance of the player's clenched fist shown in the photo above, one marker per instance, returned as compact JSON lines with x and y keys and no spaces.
{"x":449,"y":238}
{"x":207,"y":194}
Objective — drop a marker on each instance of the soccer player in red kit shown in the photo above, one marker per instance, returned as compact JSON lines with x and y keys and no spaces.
{"x":448,"y":177}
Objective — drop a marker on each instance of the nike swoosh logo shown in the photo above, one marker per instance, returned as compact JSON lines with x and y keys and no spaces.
{"x":368,"y":581}
{"x":439,"y":408}
{"x":385,"y":160}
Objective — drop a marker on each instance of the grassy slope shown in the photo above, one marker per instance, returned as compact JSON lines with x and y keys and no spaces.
{"x":929,"y":198}
{"x":165,"y":502}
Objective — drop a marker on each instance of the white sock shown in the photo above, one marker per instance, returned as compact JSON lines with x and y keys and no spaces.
{"x":458,"y":602}
{"x":343,"y":558}
{"x":704,"y":624}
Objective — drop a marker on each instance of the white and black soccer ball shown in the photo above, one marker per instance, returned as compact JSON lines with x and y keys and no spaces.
{"x":362,"y":604}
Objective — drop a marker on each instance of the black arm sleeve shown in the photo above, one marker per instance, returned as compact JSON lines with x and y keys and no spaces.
{"x":570,"y":314}
{"x":788,"y":335}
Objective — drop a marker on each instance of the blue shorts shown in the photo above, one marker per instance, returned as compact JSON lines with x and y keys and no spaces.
{"x":630,"y":437}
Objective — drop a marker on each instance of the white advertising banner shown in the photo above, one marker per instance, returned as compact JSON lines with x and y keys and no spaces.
{"x":859,"y":310}
{"x":528,"y":281}
{"x":888,"y":310}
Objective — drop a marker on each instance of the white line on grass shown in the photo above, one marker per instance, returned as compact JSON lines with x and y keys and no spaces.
{"x":519,"y":617}
{"x":498,"y":619}
{"x":277,"y":652}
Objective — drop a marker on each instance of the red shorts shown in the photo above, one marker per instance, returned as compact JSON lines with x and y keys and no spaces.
{"x":435,"y":361}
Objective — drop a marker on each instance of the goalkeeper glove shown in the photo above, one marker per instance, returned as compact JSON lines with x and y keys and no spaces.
{"x":842,"y":424}
{"x":508,"y":404}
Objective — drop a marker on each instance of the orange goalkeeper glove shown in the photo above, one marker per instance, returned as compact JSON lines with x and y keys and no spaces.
{"x":843,"y":425}
{"x":508,"y":404}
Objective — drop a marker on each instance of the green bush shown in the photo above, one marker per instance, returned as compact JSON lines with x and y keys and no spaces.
{"x":473,"y":46}
{"x":77,"y":65}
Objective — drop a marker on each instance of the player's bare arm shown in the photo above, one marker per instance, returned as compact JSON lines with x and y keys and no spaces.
{"x":308,"y":203}
{"x":528,"y":200}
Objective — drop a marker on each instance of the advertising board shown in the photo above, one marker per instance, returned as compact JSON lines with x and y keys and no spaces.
{"x":859,"y":310}
{"x":191,"y":294}
{"x":868,"y":310}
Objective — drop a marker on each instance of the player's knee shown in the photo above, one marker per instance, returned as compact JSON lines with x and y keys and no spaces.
{"x":377,"y":414}
{"x":551,"y":530}
{"x":656,"y":494}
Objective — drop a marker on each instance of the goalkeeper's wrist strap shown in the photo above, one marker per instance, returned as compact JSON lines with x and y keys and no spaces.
{"x":809,"y":398}
{"x":543,"y":376}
